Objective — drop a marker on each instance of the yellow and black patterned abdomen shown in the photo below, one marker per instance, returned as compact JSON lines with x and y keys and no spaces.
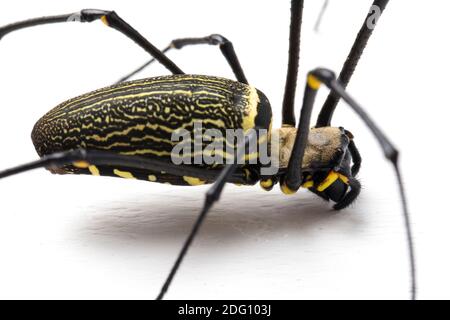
{"x":139,"y":117}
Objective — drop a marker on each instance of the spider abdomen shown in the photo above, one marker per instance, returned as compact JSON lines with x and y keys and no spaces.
{"x":140,"y":117}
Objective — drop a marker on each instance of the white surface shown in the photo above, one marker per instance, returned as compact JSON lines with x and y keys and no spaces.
{"x":87,"y":237}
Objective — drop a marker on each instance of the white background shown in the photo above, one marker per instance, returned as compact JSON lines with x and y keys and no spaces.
{"x":88,"y":237}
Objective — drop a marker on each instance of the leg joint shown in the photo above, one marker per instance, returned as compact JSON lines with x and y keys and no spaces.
{"x":214,"y":39}
{"x":325,"y":76}
{"x":89,"y":15}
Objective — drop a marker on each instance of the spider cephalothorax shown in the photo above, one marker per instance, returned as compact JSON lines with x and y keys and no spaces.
{"x":330,"y":164}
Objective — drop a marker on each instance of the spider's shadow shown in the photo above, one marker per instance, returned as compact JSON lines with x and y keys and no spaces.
{"x":239,"y":216}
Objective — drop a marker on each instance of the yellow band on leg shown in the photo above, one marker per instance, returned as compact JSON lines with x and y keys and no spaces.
{"x":81,"y":164}
{"x":266,"y":184}
{"x":344,"y":179}
{"x":308,"y":184}
{"x":105,"y":20}
{"x":313,"y":82}
{"x":286,"y":190}
{"x":329,"y":180}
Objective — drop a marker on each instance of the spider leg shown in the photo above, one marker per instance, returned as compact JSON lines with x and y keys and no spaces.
{"x":225,"y":45}
{"x":109,"y":18}
{"x":356,"y":157}
{"x":326,"y":113}
{"x":288,"y":114}
{"x":81,"y":158}
{"x":212,"y":196}
{"x":294,"y":175}
{"x":350,"y":196}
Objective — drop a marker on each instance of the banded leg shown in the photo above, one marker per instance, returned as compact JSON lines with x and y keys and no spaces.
{"x":83,"y":159}
{"x":212,"y":196}
{"x":109,"y":18}
{"x":326,"y":113}
{"x":294,"y":173}
{"x":226,"y":47}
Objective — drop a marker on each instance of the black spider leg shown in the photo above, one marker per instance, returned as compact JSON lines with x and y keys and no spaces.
{"x":350,"y":196}
{"x":321,"y":14}
{"x":326,"y":113}
{"x":212,"y":196}
{"x":293,"y":179}
{"x":82,"y":158}
{"x":225,"y":45}
{"x":356,"y":157}
{"x":288,"y":114}
{"x":110,"y":18}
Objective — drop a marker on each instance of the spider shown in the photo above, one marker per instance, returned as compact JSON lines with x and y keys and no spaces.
{"x":126,"y":130}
